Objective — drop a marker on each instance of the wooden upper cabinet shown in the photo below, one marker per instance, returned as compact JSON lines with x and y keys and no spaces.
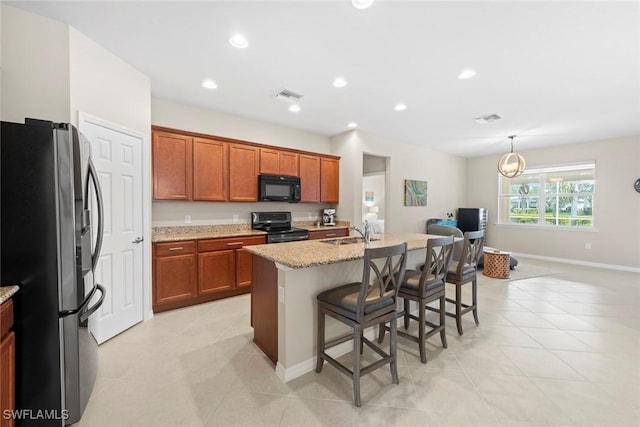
{"x":278,"y":162}
{"x":244,"y":163}
{"x":172,"y":164}
{"x":309,"y":178}
{"x":329,"y":180}
{"x":289,"y":163}
{"x":210,"y":170}
{"x":269,"y":162}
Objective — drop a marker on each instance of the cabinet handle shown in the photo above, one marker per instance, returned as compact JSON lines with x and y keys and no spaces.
{"x":176,"y":249}
{"x":331,"y":234}
{"x":235,"y":243}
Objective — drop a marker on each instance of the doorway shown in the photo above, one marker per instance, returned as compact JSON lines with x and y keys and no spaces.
{"x":374,"y":183}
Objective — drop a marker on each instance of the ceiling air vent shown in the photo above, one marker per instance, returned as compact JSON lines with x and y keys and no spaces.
{"x":487,"y":119}
{"x":288,"y":95}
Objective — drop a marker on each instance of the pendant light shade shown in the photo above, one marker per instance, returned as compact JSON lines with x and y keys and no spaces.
{"x":511,"y":164}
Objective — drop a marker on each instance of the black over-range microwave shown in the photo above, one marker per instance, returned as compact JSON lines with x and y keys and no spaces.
{"x":279,"y":188}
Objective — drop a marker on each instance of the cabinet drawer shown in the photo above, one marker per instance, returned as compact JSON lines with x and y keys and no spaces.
{"x":175,"y":248}
{"x":6,"y":317}
{"x":229,"y":243}
{"x":325,"y":234}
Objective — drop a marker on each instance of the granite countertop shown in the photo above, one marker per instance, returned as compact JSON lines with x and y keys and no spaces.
{"x":311,"y":253}
{"x":6,"y":292}
{"x":197,"y":232}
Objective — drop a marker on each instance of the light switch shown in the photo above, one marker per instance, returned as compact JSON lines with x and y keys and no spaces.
{"x":281,"y":294}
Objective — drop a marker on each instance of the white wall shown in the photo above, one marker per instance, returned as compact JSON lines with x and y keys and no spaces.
{"x":178,"y":116}
{"x":615,"y":239}
{"x":35,"y":67}
{"x":104,"y":86}
{"x":444,"y":173}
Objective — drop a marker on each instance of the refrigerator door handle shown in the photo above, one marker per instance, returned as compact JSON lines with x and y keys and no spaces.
{"x":93,"y":175}
{"x":84,"y":304}
{"x":84,"y":316}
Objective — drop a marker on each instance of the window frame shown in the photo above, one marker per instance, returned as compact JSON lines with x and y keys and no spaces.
{"x":505,"y":199}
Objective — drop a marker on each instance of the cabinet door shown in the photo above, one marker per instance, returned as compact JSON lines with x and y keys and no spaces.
{"x":309,"y":178}
{"x":269,"y":162}
{"x":7,"y":377}
{"x":216,"y":271}
{"x":329,"y":180}
{"x":243,"y":268}
{"x":172,"y":163}
{"x":243,"y":173}
{"x":210,"y":171}
{"x":289,"y":163}
{"x":175,"y":279}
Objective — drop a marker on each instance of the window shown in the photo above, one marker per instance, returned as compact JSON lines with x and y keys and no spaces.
{"x":559,"y":196}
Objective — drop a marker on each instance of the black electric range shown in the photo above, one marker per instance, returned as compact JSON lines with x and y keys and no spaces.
{"x":278,"y":227}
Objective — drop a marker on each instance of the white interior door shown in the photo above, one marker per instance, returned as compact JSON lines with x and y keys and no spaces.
{"x":117,"y":156}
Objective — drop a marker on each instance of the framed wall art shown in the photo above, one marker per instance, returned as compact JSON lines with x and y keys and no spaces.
{"x":415,"y":193}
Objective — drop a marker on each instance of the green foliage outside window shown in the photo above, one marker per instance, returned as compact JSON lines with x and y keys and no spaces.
{"x":553,"y":196}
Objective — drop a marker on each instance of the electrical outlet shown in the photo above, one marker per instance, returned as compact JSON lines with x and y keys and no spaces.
{"x":587,"y":246}
{"x":235,"y":218}
{"x":187,"y":219}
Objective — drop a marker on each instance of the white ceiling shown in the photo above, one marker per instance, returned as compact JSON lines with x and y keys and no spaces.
{"x":558,"y":72}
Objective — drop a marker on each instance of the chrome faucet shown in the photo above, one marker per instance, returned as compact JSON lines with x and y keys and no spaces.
{"x":366,"y":235}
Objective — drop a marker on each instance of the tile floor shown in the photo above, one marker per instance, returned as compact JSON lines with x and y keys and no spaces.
{"x":558,"y":345}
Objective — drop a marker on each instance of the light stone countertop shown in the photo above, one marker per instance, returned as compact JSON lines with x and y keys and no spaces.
{"x":198,"y":232}
{"x":6,"y":292}
{"x":311,"y":253}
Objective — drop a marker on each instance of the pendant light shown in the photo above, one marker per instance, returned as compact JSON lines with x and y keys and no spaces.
{"x":511,"y":164}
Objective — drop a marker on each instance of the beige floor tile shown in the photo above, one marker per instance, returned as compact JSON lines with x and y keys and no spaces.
{"x":315,"y":412}
{"x":606,"y":368}
{"x":554,"y":339}
{"x":198,"y":366}
{"x":535,"y":362}
{"x":527,"y":320}
{"x":242,"y":408}
{"x":450,"y":392}
{"x":516,"y":398}
{"x":502,"y":335}
{"x":537,"y":306}
{"x":587,"y":404}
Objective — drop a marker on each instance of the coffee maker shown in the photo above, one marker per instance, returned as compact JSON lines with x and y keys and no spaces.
{"x":328,"y":217}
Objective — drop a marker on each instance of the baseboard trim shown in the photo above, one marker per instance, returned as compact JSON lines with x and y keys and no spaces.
{"x":299,"y":369}
{"x":578,"y":262}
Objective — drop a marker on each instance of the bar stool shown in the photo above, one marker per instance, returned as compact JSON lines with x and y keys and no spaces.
{"x":361,"y":305}
{"x":464,"y":270}
{"x":424,"y":287}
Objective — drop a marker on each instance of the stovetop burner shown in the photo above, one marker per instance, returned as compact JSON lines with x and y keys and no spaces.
{"x":278,"y":227}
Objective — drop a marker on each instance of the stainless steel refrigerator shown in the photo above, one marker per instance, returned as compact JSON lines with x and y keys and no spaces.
{"x":50,"y":247}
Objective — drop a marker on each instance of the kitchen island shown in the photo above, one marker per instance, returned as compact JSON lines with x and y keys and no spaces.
{"x":286,"y":279}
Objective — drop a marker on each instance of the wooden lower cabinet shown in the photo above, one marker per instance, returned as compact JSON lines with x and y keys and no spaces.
{"x":193,"y":272}
{"x":327,"y":234}
{"x":174,"y":273}
{"x":7,"y":364}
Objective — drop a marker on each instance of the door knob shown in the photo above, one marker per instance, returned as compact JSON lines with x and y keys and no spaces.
{"x":138,"y":240}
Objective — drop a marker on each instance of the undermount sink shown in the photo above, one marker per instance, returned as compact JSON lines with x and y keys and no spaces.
{"x":346,"y":241}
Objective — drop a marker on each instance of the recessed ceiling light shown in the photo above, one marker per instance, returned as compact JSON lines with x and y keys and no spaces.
{"x":209,"y":84}
{"x":340,"y":82}
{"x":361,"y":4}
{"x":294,"y":108}
{"x":466,"y":74}
{"x":400,"y":107}
{"x":239,"y":41}
{"x":352,"y":125}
